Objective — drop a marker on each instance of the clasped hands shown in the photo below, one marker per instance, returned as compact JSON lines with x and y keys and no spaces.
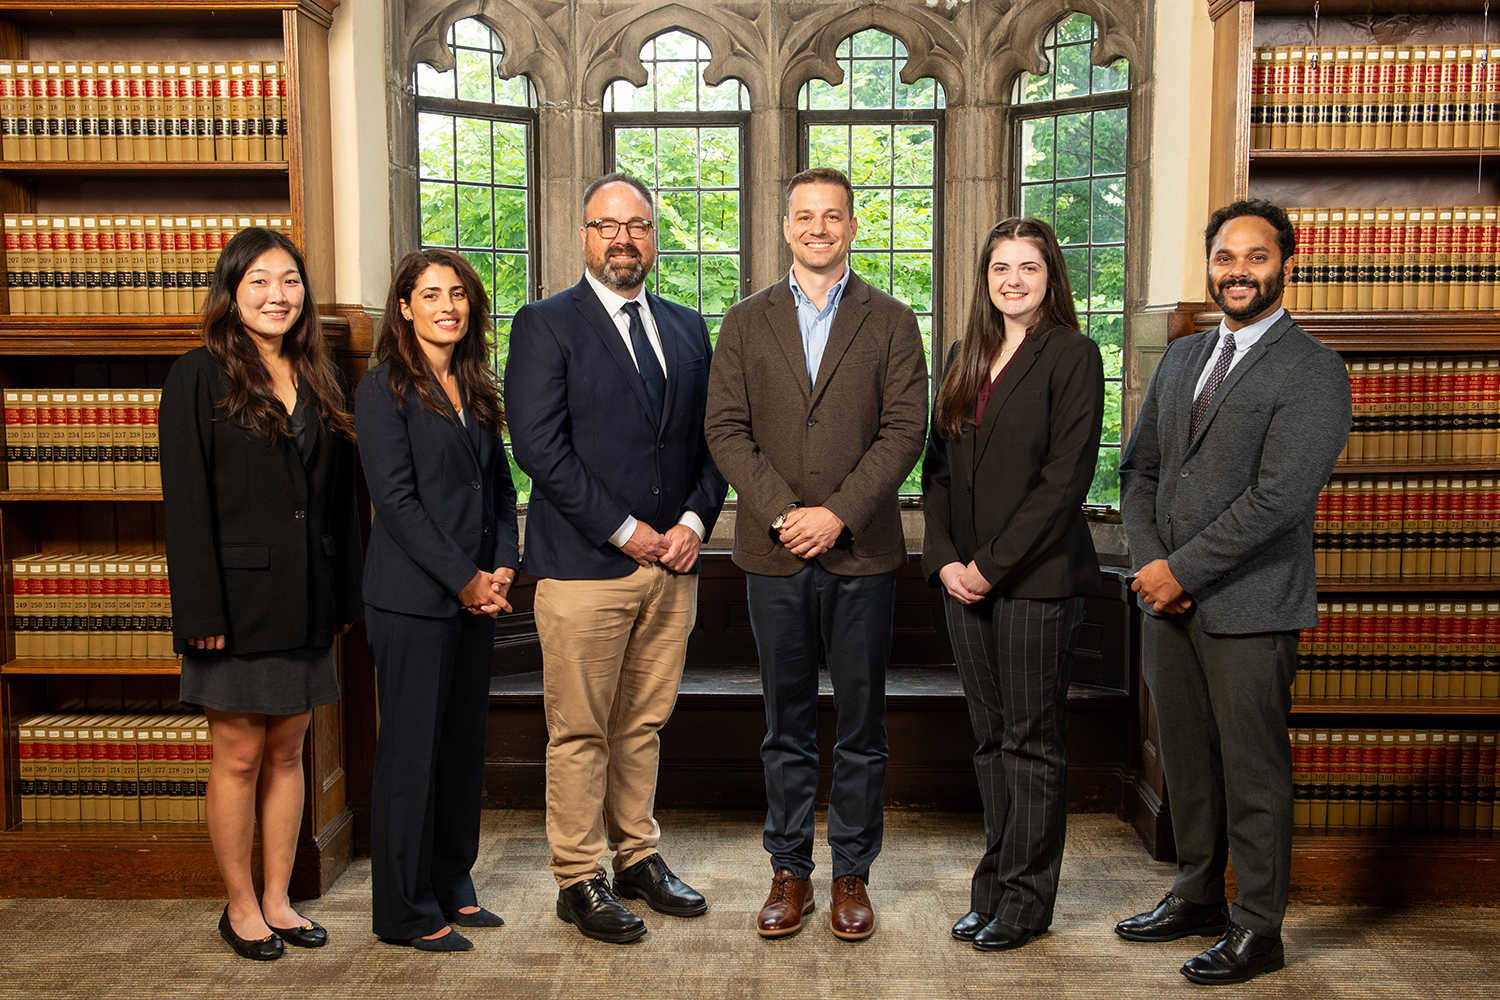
{"x":810,"y":531}
{"x":486,"y":593}
{"x":1160,"y":589}
{"x":676,"y":549}
{"x":965,"y":584}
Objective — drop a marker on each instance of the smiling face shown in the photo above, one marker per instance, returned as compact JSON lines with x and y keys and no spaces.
{"x":622,"y":262}
{"x":1246,"y":275}
{"x":819,"y":227}
{"x":439,"y":312}
{"x":269,"y":296}
{"x":1018,"y":282}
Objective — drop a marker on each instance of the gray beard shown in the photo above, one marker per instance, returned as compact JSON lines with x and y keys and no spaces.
{"x":610,"y":278}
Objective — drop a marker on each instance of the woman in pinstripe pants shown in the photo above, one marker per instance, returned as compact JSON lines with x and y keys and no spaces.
{"x":1015,"y":435}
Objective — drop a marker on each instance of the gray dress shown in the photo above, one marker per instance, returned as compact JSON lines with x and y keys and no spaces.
{"x":283,"y":682}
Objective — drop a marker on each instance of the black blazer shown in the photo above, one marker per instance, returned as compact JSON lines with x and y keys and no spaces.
{"x":581,"y":430}
{"x":260,"y":548}
{"x":445,"y":507}
{"x":1011,"y":498}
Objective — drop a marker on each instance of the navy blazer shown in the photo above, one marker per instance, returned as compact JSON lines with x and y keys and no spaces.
{"x":581,"y":429}
{"x":445,"y":506}
{"x":261,"y":548}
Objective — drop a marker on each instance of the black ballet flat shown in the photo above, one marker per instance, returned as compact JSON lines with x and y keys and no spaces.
{"x":310,"y":935}
{"x":266,"y":949}
{"x":479,"y":918}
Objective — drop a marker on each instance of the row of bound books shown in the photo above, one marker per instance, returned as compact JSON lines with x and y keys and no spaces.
{"x":1428,"y":650}
{"x":91,"y":607}
{"x":113,"y":769}
{"x":1385,"y":259}
{"x":82,"y":439}
{"x":1407,"y":529}
{"x":106,"y":265}
{"x":1393,"y":778}
{"x":1429,"y":408}
{"x":1375,"y":97}
{"x":142,"y":110}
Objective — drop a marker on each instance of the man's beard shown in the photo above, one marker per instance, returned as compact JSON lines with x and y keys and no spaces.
{"x":1265,"y":295}
{"x":620,"y":276}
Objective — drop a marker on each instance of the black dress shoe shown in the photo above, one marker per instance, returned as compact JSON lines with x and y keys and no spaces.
{"x":1237,"y":957}
{"x":591,"y":906}
{"x":997,"y":935}
{"x":1173,"y":918}
{"x":970,"y":924}
{"x":266,"y":949}
{"x":452,"y":941}
{"x":310,"y":935}
{"x":650,"y":879}
{"x":479,"y":918}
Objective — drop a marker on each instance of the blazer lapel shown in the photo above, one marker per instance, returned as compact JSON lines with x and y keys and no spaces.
{"x":853,"y":308}
{"x":593,"y":312}
{"x":1022,"y":363}
{"x":781,"y":318}
{"x":1238,"y":372}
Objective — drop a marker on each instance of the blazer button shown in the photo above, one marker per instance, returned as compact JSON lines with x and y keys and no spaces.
{"x":660,"y":445}
{"x":1184,"y":473}
{"x":656,"y":491}
{"x":299,"y":514}
{"x":486,"y":532}
{"x":475,"y":484}
{"x":811,"y":422}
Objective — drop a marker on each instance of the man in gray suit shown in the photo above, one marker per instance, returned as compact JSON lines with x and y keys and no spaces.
{"x":817,"y":410}
{"x":1237,"y":434}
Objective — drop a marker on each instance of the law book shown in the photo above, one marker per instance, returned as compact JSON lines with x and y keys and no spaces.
{"x":1355,"y":682}
{"x":112,"y":600}
{"x":1452,"y":779}
{"x":119,"y":440}
{"x":204,"y":754}
{"x":151,"y":439}
{"x":40,"y":142}
{"x":89,"y":116}
{"x":167,"y":241}
{"x":66,"y":804}
{"x":46,"y":469}
{"x":1277,"y":102}
{"x":147,"y":735}
{"x":158,"y":640}
{"x":1468,"y":540}
{"x":1442,"y":673}
{"x":72,"y":456}
{"x":26,"y":767}
{"x":92,"y":267}
{"x":52,"y":140}
{"x":134,"y":443}
{"x":1390,"y":500}
{"x":203,"y":110}
{"x":172,"y":126}
{"x":21,"y":605}
{"x":121,"y":116}
{"x":1447,"y":98}
{"x":1485,"y":530}
{"x":1319,"y":779}
{"x":46,"y":272}
{"x":1491,"y":98}
{"x":1341,"y":100}
{"x":1301,"y":741}
{"x":1338,"y":779}
{"x":1335,"y":239}
{"x":109,"y":265}
{"x":65,"y":627}
{"x":255,"y":112}
{"x":1473,"y":651}
{"x":1367,"y":90}
{"x":10,"y":133}
{"x":169,"y":774}
{"x":106,"y":124}
{"x":1385,"y":800}
{"x":198,"y":261}
{"x":1423,"y":130}
{"x":1259,"y":131}
{"x":142,"y":127}
{"x":48,"y":768}
{"x":72,"y":113}
{"x":87,"y":798}
{"x":156,"y":303}
{"x":62,"y":267}
{"x":94,"y":586}
{"x":1369,"y":776}
{"x":25,"y":113}
{"x":273,"y":89}
{"x":223,"y":117}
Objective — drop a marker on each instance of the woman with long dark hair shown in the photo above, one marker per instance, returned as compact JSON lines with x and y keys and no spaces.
{"x":442,"y":556}
{"x":263,"y":552}
{"x":1015,"y":435}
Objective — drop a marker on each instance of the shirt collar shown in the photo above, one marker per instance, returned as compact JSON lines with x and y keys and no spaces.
{"x":1246,"y":336}
{"x":612,"y":300}
{"x":834,"y":294}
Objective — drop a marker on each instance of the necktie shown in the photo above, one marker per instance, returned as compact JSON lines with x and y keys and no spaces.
{"x":1221,"y":368}
{"x":645,"y":360}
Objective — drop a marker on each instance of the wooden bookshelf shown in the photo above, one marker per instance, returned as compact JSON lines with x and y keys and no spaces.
{"x":1396,"y":706}
{"x":156,"y":860}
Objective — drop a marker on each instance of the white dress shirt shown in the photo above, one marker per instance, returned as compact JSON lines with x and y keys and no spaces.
{"x":614,"y":304}
{"x":1245,"y":338}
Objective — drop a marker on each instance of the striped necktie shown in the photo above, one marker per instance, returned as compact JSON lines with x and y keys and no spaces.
{"x":645,"y":360}
{"x":1221,"y":368}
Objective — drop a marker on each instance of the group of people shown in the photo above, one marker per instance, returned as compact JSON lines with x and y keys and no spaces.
{"x":631,"y":426}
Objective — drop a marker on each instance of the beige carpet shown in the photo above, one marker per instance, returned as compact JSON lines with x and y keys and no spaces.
{"x":170,"y":948}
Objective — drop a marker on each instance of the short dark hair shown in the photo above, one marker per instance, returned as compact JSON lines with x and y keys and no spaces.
{"x":1286,"y":235}
{"x":820,"y":175}
{"x":618,"y":177}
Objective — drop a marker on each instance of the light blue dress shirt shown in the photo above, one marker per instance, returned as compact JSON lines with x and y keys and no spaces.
{"x":814,"y":323}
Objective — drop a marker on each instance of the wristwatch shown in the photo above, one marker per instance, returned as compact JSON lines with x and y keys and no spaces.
{"x":781,"y":518}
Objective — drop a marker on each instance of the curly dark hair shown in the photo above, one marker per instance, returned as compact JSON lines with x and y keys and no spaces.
{"x":1286,"y":235}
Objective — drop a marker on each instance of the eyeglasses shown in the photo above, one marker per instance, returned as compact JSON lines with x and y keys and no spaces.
{"x":608,"y":228}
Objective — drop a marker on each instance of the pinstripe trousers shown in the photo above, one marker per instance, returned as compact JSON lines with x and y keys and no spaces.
{"x":1014,"y":659}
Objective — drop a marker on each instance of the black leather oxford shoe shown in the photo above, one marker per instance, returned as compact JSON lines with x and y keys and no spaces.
{"x":591,"y":906}
{"x":1173,"y":918}
{"x":970,"y":924}
{"x":1237,"y":957}
{"x":650,"y":879}
{"x":997,"y":935}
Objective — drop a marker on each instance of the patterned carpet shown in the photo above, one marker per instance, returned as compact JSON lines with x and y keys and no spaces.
{"x":170,"y":948}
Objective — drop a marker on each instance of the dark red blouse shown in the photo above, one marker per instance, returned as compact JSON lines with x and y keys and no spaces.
{"x":988,"y":389}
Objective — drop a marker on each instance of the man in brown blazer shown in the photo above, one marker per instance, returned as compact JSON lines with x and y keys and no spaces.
{"x":817,"y":411}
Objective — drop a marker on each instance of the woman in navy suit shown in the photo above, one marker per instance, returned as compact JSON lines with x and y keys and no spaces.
{"x":257,"y":464}
{"x":442,"y":556}
{"x":1015,"y":436}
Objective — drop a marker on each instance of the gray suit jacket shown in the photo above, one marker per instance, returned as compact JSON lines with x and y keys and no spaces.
{"x":846,"y":443}
{"x":1231,"y":510}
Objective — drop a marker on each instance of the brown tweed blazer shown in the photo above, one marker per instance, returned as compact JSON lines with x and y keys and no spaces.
{"x":846,"y":443}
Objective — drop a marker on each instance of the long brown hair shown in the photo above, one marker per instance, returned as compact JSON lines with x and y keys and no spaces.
{"x":397,"y":346}
{"x":986,"y":328}
{"x":251,"y":401}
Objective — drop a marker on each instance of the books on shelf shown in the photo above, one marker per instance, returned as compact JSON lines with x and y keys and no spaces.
{"x":1372,"y":778}
{"x":130,"y":264}
{"x":91,"y":606}
{"x":1403,"y":647}
{"x":1340,"y":97}
{"x":1416,"y":529}
{"x":1356,"y":259}
{"x":107,"y":111}
{"x":82,"y":439}
{"x":1424,"y":408}
{"x":113,"y":769}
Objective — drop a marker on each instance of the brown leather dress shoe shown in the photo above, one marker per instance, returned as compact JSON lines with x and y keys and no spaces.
{"x":851,"y":917}
{"x":790,"y":898}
